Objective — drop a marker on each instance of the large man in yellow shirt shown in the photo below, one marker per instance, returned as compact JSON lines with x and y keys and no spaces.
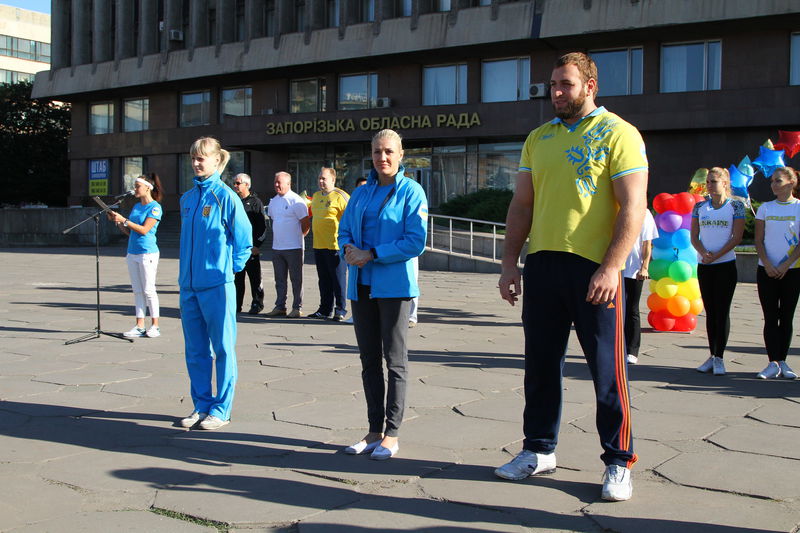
{"x":327,"y":207}
{"x":580,"y":196}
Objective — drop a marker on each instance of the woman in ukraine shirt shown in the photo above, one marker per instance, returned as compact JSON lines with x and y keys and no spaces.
{"x":143,"y":252}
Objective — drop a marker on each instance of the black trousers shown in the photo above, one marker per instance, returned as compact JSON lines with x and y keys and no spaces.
{"x":778,"y":301}
{"x":381,"y":326}
{"x":253,"y":270}
{"x":332,"y":274}
{"x":554,"y":298}
{"x":633,"y":322}
{"x":717,"y":285}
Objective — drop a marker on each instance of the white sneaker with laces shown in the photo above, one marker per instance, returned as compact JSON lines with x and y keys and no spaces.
{"x":632,"y":359}
{"x":719,"y":366}
{"x":135,"y":331}
{"x":153,"y":332}
{"x":527,"y":463}
{"x":193,"y":419}
{"x":772,"y":371}
{"x":212,"y":422}
{"x":787,"y":372}
{"x":707,"y":366}
{"x":617,"y":485}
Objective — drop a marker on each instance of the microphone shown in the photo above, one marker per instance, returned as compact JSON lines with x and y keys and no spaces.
{"x":125,"y":194}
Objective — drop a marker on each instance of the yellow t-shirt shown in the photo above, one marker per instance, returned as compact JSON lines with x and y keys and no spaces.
{"x":326,"y":212}
{"x":572,"y":169}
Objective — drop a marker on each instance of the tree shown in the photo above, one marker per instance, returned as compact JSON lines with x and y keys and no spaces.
{"x":33,"y":139}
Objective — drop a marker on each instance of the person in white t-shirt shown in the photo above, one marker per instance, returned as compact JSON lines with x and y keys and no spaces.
{"x":778,"y":274}
{"x":636,"y":271}
{"x":290,"y":224}
{"x":717,"y":228}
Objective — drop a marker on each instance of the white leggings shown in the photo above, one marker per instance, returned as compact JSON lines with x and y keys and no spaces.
{"x":142,"y":268}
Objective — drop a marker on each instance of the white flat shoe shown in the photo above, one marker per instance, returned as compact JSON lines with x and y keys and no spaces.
{"x":362,"y":447}
{"x":381,"y":453}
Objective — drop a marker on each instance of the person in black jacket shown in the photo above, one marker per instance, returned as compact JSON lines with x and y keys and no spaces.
{"x":254,"y":208}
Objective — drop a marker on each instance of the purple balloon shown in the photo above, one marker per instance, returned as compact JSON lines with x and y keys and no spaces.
{"x":669,"y":221}
{"x":687,"y":221}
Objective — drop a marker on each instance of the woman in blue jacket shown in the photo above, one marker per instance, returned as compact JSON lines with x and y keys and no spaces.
{"x":216,"y":238}
{"x":143,"y":253}
{"x":383,"y":228}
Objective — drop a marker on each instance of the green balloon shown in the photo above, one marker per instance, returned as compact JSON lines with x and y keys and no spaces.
{"x":680,"y":271}
{"x":659,"y":268}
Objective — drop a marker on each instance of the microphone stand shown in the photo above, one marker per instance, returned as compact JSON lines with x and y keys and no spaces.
{"x":97,"y":330}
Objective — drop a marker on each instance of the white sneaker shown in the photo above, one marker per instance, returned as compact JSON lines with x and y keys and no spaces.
{"x":787,"y":372}
{"x":527,"y":463}
{"x":193,"y":419}
{"x":719,"y":366}
{"x":135,"y":331}
{"x":707,"y":366}
{"x":153,"y":332}
{"x":632,"y":359}
{"x":617,"y":485}
{"x":212,"y":422}
{"x":772,"y":371}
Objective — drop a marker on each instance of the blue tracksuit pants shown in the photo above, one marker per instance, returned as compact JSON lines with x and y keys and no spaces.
{"x":554,"y":298}
{"x":209,"y":322}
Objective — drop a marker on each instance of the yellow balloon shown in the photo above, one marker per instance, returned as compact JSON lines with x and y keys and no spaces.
{"x":678,"y":306}
{"x":689,"y":289}
{"x":696,"y":306}
{"x":653,"y":285}
{"x":666,"y":288}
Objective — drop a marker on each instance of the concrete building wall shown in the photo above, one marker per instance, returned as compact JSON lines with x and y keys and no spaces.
{"x":31,"y":25}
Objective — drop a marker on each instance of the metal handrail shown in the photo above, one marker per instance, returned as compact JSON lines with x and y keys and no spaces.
{"x":472,"y":222}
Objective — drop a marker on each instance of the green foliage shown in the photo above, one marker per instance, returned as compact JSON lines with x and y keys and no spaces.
{"x":33,"y":137}
{"x":750,"y":223}
{"x":485,"y":204}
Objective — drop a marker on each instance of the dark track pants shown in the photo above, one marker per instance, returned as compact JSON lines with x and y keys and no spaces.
{"x":253,"y":271}
{"x":554,"y":297}
{"x":717,"y":285}
{"x":778,"y":302}
{"x":633,"y":321}
{"x":332,"y":274}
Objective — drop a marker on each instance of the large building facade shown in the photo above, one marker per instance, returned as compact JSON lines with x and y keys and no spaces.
{"x":24,"y":44}
{"x":294,"y":85}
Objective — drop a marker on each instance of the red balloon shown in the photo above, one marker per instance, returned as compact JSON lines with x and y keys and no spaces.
{"x":683,"y":203}
{"x":661,"y":320}
{"x":789,"y":142}
{"x":663,"y":202}
{"x":699,"y":198}
{"x":685,"y":323}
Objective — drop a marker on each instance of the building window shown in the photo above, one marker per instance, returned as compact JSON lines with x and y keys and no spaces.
{"x":497,"y":164}
{"x":136,"y":115}
{"x":269,"y":18}
{"x":132,"y":168}
{"x":441,"y":5}
{"x":794,"y":59}
{"x":359,"y":91}
{"x":444,"y":85}
{"x":240,"y":21}
{"x":307,"y":96}
{"x":332,"y":13}
{"x":11,"y":76}
{"x":691,"y":67}
{"x":505,"y":80}
{"x":236,"y":101}
{"x":195,"y":109}
{"x":403,"y":8}
{"x":619,"y":71}
{"x":24,"y":48}
{"x":101,"y":118}
{"x":300,"y":15}
{"x":367,"y":11}
{"x":238,"y":163}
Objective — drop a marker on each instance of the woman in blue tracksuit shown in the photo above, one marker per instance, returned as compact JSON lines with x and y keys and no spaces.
{"x":383,"y":228}
{"x":216,"y":238}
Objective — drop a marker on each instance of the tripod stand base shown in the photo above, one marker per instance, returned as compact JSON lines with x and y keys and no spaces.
{"x":96,"y":335}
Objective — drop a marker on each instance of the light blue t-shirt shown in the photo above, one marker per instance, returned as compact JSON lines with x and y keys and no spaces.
{"x":369,"y":230}
{"x":144,"y":244}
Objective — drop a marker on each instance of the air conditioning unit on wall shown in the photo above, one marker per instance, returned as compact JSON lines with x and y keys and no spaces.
{"x":538,"y":90}
{"x":383,"y":102}
{"x":175,"y":35}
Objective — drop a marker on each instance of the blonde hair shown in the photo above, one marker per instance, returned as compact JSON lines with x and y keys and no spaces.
{"x":331,"y":171}
{"x":388,"y":134}
{"x":723,"y":173}
{"x":209,"y":146}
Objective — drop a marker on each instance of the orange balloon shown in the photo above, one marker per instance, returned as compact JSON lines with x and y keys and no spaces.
{"x":656,"y":302}
{"x":678,"y":305}
{"x":696,"y":306}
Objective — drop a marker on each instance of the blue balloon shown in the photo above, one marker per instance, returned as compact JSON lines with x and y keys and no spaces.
{"x":664,"y":240}
{"x":682,"y":239}
{"x":688,"y":254}
{"x":768,"y":160}
{"x":667,"y":254}
{"x":740,"y":182}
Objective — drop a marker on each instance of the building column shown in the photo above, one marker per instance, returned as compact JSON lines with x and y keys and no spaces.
{"x":148,"y":27}
{"x":198,"y":24}
{"x":173,"y":20}
{"x":254,"y":19}
{"x":102,"y":46}
{"x":60,"y":34}
{"x":226,"y":21}
{"x":81,"y":30}
{"x":125,"y":46}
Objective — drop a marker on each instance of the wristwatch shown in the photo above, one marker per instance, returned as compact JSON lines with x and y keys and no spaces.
{"x":125,"y":223}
